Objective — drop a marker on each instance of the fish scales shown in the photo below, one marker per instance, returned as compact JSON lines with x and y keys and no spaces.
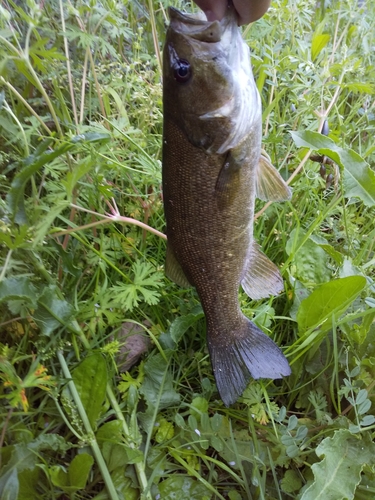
{"x":211,"y":163}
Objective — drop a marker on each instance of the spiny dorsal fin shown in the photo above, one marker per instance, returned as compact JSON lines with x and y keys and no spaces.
{"x":173,"y":269}
{"x":270,"y":185}
{"x":262,"y":278}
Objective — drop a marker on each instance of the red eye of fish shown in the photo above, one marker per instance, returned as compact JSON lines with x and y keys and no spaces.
{"x":182,"y":71}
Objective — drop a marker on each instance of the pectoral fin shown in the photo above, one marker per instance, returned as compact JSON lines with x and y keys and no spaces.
{"x":227,"y":181}
{"x":270,"y":185}
{"x":173,"y":269}
{"x":262,"y":277}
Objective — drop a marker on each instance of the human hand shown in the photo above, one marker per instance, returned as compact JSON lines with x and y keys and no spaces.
{"x":248,"y":10}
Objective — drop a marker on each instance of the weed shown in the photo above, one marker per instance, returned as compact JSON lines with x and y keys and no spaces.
{"x":82,"y":252}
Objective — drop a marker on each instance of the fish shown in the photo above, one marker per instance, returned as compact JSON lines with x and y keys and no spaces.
{"x":212,"y":171}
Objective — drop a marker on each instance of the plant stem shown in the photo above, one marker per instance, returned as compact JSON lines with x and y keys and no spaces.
{"x":66,"y":48}
{"x":140,"y":466}
{"x":8,"y":110}
{"x":155,"y":35}
{"x":91,"y":436}
{"x":26,"y":104}
{"x":4,"y":269}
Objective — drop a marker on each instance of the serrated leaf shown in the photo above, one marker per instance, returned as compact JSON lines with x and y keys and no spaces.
{"x":361,"y":87}
{"x":328,"y":301}
{"x":339,"y":473}
{"x":359,"y":179}
{"x":318,"y":43}
{"x":52,"y":311}
{"x":144,"y":283}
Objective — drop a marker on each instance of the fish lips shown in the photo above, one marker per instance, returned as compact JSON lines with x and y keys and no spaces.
{"x":196,"y":27}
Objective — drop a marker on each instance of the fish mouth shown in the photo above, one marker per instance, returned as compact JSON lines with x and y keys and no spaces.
{"x":198,"y":28}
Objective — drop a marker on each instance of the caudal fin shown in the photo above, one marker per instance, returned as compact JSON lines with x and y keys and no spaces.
{"x":240,"y":355}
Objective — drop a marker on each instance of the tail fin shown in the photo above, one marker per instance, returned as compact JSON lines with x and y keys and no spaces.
{"x":242,"y":354}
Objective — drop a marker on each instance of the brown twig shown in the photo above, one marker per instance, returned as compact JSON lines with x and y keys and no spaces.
{"x":113,"y":216}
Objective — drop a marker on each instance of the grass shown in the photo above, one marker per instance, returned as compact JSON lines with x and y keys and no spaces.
{"x":82,"y":253}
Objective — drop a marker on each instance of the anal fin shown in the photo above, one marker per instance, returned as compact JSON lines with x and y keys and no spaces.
{"x":270,"y":185}
{"x":262,"y":278}
{"x":173,"y":270}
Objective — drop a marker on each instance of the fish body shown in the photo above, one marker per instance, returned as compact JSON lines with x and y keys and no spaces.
{"x":212,"y":172}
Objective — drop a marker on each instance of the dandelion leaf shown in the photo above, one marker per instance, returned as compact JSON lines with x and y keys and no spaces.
{"x":359,"y":179}
{"x":327,"y":301}
{"x":52,"y":312}
{"x":339,"y":472}
{"x":90,"y":379}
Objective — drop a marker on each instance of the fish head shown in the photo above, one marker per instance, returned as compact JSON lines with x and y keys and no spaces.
{"x":209,"y":89}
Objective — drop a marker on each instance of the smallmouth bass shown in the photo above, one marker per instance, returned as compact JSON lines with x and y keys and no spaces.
{"x":212,"y":172}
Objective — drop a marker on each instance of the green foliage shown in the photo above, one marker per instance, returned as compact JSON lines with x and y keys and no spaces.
{"x":75,"y":478}
{"x":185,"y":488}
{"x":81,"y":254}
{"x":144,"y":279}
{"x":90,"y":380}
{"x":339,"y":472}
{"x":359,"y":179}
{"x":328,"y":302}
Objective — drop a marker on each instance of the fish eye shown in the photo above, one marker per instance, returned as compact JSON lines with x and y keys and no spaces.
{"x":182,"y":71}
